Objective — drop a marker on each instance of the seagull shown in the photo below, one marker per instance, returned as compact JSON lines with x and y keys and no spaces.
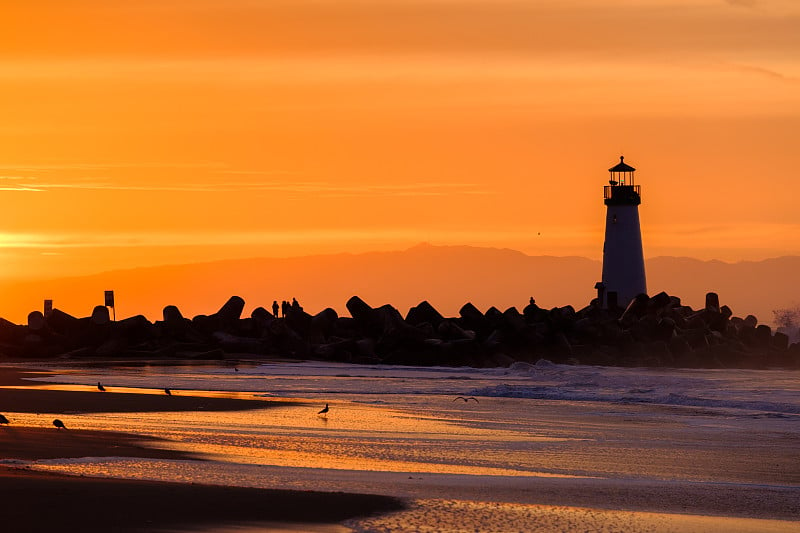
{"x":465,"y":399}
{"x":167,"y":391}
{"x":324,"y":411}
{"x":3,"y":419}
{"x":100,"y":387}
{"x":59,"y":424}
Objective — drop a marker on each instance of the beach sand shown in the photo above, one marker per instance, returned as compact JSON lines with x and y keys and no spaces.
{"x":37,"y":501}
{"x":341,"y":500}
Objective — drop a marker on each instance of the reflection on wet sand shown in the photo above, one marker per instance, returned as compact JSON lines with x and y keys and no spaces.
{"x":354,"y":437}
{"x":498,"y":464}
{"x":454,"y":515}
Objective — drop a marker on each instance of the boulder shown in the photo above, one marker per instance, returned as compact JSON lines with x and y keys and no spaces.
{"x":100,"y":315}
{"x":451,"y":331}
{"x":763,"y":335}
{"x":659,"y":302}
{"x":9,"y":330}
{"x":665,"y":329}
{"x":780,"y":341}
{"x":679,"y":346}
{"x":325,"y":321}
{"x":62,"y":322}
{"x":174,"y":326}
{"x":206,"y":324}
{"x":635,"y":310}
{"x":472,"y":318}
{"x":36,"y":321}
{"x":135,"y":328}
{"x":494,"y":316}
{"x":513,"y":320}
{"x":424,"y":312}
{"x":364,"y":316}
{"x":231,"y":311}
{"x":389,"y":318}
{"x":172,"y":315}
{"x":712,"y":302}
{"x":359,"y":309}
{"x":114,"y":347}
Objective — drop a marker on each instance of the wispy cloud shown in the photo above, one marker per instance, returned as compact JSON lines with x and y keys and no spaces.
{"x":749,"y":4}
{"x":31,"y":184}
{"x":761,"y":71}
{"x":20,"y":188}
{"x":43,"y":167}
{"x":66,"y":241}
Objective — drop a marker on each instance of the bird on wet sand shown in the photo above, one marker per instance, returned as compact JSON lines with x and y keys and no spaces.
{"x":324,"y":411}
{"x":167,"y":391}
{"x":468,"y":398}
{"x":100,"y":387}
{"x":59,"y":424}
{"x":3,"y":419}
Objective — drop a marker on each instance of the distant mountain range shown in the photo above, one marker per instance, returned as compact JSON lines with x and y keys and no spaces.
{"x":446,"y":276}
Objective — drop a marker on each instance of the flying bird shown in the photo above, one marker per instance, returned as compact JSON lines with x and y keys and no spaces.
{"x":100,"y":387}
{"x":324,"y":410}
{"x":466,"y":399}
{"x":3,"y":419}
{"x":59,"y":424}
{"x":167,"y":391}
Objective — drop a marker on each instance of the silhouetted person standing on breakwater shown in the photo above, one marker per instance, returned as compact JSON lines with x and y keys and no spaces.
{"x":275,"y":308}
{"x":284,"y":308}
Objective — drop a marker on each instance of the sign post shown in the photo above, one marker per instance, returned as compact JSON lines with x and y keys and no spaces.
{"x":110,"y":303}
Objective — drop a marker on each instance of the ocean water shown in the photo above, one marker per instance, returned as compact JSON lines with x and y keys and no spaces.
{"x":532,"y":444}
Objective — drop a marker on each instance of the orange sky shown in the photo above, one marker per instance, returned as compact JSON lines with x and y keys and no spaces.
{"x":173,"y":131}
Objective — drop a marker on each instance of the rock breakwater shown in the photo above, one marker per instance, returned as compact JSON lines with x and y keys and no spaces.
{"x":651,"y":331}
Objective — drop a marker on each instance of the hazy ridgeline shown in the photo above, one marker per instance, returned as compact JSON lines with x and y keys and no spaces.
{"x":446,"y":276}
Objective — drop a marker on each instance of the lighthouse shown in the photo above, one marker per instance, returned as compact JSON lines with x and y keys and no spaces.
{"x":623,"y":259}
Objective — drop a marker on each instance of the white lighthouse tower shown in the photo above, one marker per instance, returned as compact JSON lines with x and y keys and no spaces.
{"x":623,"y":259}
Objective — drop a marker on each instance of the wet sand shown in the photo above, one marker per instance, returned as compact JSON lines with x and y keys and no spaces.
{"x":36,"y":501}
{"x":27,"y":399}
{"x":34,"y":443}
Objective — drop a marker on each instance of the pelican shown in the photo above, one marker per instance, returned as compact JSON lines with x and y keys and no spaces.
{"x":59,"y":424}
{"x":324,"y":410}
{"x":465,"y":399}
{"x":100,"y":387}
{"x":167,"y":391}
{"x":3,"y":419}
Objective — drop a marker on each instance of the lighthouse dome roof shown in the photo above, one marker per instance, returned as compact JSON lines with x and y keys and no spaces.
{"x":621,"y":166}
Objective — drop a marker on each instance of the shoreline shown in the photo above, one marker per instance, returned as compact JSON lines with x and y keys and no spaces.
{"x":136,"y":505}
{"x":26,"y":397}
